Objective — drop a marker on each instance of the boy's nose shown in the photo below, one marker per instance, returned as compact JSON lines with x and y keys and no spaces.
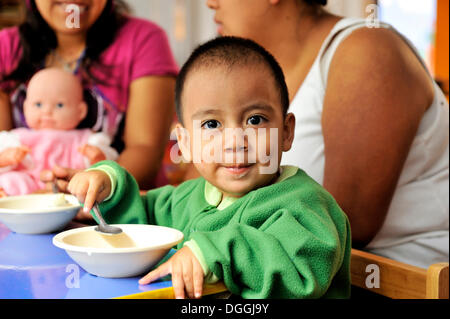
{"x":235,"y":142}
{"x":235,"y":149}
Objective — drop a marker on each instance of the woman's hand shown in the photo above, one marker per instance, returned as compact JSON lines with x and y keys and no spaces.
{"x":187,"y":274}
{"x":62,"y":176}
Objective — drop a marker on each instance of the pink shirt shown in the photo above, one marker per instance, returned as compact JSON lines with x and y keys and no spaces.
{"x":140,"y":49}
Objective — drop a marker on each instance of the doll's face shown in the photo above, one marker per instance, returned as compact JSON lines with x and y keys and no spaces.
{"x":54,"y":101}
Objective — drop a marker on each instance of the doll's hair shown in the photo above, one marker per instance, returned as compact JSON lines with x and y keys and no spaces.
{"x":37,"y":40}
{"x":229,"y":52}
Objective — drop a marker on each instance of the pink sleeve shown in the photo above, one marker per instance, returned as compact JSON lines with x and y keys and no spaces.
{"x":152,"y":54}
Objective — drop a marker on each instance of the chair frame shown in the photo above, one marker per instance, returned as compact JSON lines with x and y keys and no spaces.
{"x":398,"y":280}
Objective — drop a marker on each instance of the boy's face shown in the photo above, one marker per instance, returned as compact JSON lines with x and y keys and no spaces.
{"x":234,"y":129}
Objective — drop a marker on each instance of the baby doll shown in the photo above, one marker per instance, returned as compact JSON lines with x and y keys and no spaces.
{"x":53,"y":109}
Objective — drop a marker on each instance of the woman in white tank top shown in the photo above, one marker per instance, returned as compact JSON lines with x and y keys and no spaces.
{"x":371,"y":125}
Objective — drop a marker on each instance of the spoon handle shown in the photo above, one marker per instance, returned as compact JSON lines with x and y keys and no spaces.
{"x":55,"y":188}
{"x":99,"y":215}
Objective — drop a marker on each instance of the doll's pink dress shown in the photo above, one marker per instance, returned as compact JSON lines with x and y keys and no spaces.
{"x":48,"y":148}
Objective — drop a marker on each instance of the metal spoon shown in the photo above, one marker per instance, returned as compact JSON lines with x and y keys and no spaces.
{"x":103,"y":227}
{"x":55,"y":188}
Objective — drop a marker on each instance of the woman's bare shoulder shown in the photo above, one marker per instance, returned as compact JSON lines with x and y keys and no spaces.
{"x":375,"y":40}
{"x":378,"y":57}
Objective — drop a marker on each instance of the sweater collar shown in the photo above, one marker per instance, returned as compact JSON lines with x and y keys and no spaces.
{"x":213,"y":195}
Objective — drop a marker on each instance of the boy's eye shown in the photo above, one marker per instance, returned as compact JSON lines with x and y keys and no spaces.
{"x":211,"y":124}
{"x":60,"y":105}
{"x":255,"y":120}
{"x":38,"y":104}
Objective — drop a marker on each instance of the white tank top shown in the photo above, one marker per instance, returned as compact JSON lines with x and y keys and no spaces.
{"x":420,"y":206}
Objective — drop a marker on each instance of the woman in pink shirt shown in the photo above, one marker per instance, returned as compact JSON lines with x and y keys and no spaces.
{"x":126,"y":66}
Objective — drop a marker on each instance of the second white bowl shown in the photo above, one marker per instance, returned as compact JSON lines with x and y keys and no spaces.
{"x":38,"y":214}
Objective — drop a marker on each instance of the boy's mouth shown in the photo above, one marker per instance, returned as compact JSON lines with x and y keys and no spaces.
{"x":237,"y":169}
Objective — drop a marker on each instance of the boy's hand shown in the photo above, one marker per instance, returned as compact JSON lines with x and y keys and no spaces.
{"x":90,"y":187}
{"x":13,"y":155}
{"x":93,"y":153}
{"x":187,"y":274}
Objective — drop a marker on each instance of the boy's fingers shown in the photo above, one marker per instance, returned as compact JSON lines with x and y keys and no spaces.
{"x":80,"y":189}
{"x":91,"y":195}
{"x":159,"y":272}
{"x":187,"y":278}
{"x":198,"y":280}
{"x":71,"y":186}
{"x":62,"y":185}
{"x":103,"y":193}
{"x":177,"y":282}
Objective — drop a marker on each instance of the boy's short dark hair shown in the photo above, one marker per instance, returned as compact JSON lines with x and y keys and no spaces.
{"x":229,"y":51}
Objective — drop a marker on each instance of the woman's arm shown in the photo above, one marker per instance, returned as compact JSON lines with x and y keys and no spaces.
{"x":147,"y":127}
{"x":6,"y":122}
{"x":376,"y":95}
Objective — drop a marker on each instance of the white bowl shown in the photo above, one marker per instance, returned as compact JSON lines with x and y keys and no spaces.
{"x":37,"y":214}
{"x":129,"y":254}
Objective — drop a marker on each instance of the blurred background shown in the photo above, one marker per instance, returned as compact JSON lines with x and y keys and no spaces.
{"x":189,"y":23}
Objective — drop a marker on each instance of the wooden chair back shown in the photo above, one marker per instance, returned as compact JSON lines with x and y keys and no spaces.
{"x":398,"y":280}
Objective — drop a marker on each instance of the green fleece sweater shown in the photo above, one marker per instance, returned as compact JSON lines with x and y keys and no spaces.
{"x":286,"y":240}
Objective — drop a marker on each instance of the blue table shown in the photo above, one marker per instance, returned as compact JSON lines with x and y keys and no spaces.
{"x":31,"y":267}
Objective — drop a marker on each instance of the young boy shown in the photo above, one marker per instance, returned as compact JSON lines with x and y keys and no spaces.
{"x":265,"y":231}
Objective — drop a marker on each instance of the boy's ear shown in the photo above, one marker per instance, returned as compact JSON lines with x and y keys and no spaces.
{"x":288,"y":131}
{"x":83,"y":110}
{"x":184,"y":142}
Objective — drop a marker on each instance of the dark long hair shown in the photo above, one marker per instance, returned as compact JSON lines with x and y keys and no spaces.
{"x":38,"y":40}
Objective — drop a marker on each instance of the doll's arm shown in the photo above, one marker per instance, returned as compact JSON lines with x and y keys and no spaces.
{"x":98,"y":149}
{"x":13,"y":156}
{"x":12,"y":152}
